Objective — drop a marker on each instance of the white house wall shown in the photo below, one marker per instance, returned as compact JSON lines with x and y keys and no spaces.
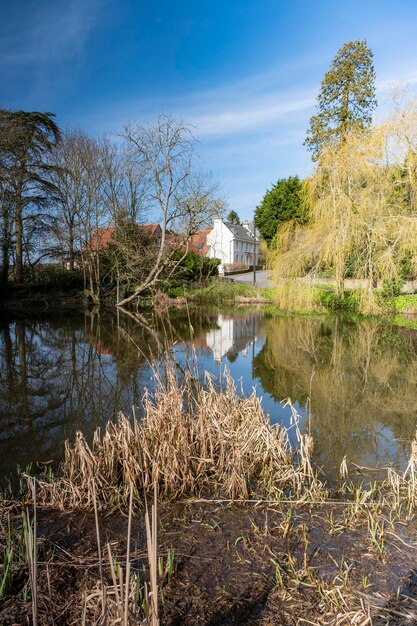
{"x":224,"y":245}
{"x":220,"y":240}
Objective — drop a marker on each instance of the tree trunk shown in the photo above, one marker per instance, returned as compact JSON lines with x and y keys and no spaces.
{"x":5,"y":253}
{"x":71,"y":247}
{"x":18,"y":271}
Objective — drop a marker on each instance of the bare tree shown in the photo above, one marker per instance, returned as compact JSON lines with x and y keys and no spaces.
{"x":181,"y":200}
{"x":71,"y":184}
{"x":123,"y":183}
{"x":81,"y":209}
{"x":6,"y":203}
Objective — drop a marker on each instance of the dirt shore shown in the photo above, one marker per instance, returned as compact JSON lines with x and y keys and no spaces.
{"x":232,"y":564}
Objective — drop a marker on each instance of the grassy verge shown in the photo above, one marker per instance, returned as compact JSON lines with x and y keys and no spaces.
{"x":302,"y":298}
{"x":224,"y":292}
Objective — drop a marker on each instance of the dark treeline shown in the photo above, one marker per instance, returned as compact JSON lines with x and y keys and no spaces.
{"x":83,"y":203}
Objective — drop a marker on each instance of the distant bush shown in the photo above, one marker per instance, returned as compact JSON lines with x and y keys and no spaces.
{"x":54,"y":278}
{"x":391,"y":288}
{"x":192,"y":268}
{"x":330,"y":300}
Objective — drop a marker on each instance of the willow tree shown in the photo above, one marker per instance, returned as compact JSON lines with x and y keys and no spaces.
{"x":359,"y":207}
{"x":346,"y":98}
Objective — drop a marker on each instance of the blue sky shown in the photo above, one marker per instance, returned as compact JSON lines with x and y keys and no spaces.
{"x":245,"y":74}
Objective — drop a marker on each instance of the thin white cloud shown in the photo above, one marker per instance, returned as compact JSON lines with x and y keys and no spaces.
{"x":49,"y":33}
{"x":257,"y":114}
{"x":252,"y":130}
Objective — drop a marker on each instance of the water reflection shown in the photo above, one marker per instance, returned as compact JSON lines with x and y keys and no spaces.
{"x":362,"y":380}
{"x":60,"y":374}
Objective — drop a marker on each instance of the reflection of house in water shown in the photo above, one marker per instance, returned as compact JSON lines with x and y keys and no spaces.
{"x":232,"y":336}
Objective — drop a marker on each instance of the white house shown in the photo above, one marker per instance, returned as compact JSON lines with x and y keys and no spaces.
{"x":232,"y":244}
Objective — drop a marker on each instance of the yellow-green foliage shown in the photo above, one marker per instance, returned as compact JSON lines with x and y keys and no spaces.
{"x":293,"y":295}
{"x":361,"y":201}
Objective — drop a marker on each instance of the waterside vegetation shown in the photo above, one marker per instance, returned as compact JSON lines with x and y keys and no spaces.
{"x":236,"y":504}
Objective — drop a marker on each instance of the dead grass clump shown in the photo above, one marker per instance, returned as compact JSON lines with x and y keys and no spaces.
{"x":193,"y":440}
{"x":403,"y":487}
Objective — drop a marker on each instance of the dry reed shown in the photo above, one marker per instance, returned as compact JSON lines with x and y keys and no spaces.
{"x":193,"y":440}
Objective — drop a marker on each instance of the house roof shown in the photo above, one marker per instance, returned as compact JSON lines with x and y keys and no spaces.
{"x":102,"y":237}
{"x":151,"y":229}
{"x":198,"y":241}
{"x":240,"y":232}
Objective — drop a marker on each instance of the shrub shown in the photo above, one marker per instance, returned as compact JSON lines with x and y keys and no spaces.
{"x":330,"y":300}
{"x":54,"y":278}
{"x":391,"y":288}
{"x":193,"y":268}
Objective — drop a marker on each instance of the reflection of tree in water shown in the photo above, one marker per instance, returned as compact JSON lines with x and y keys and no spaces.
{"x":30,"y":400}
{"x":62,"y":374}
{"x":362,"y":378}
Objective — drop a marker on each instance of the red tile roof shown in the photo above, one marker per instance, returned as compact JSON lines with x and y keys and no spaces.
{"x":102,"y":237}
{"x":198,"y":242}
{"x":151,"y":229}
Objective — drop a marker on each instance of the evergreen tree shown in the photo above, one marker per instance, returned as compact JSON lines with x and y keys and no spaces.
{"x":282,"y":203}
{"x":346,"y":98}
{"x":233,"y":218}
{"x":27,"y":176}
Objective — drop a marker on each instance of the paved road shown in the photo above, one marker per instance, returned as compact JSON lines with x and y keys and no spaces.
{"x":262,"y":278}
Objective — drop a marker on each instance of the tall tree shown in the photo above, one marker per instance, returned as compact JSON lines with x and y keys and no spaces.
{"x":281,"y":203}
{"x":360,"y":214}
{"x":6,"y":213}
{"x":346,"y":98}
{"x":29,"y":174}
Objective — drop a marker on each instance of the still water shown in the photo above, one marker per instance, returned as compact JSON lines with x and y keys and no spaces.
{"x":354,"y":384}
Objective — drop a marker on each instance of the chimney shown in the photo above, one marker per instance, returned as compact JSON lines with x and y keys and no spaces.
{"x":218,"y":219}
{"x":246,"y":224}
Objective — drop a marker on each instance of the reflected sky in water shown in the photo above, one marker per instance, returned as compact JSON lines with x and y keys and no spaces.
{"x":60,"y":374}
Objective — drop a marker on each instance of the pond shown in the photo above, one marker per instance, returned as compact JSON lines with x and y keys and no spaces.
{"x":354,"y":384}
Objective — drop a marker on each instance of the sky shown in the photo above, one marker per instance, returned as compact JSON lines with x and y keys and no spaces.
{"x":245,"y":74}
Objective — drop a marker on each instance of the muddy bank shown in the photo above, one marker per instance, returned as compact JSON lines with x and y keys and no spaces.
{"x":230,"y":564}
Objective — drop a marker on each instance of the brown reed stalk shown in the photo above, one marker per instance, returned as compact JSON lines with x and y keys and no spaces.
{"x":31,"y":543}
{"x":194,"y":439}
{"x":152,"y":545}
{"x":129,"y":532}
